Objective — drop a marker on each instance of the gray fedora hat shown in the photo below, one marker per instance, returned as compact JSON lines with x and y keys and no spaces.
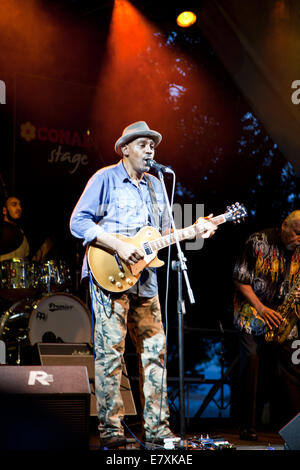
{"x":134,"y":131}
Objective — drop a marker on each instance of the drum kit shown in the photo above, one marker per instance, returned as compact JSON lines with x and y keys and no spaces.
{"x":41,"y":308}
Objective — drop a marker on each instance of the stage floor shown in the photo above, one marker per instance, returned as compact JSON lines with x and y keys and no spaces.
{"x":267,"y":439}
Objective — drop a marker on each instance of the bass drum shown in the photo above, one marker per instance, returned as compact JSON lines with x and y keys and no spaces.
{"x":53,"y":318}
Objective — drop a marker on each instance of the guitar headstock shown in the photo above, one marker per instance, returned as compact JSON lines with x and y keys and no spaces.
{"x":235,"y":213}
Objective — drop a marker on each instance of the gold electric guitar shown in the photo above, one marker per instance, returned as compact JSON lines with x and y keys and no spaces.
{"x":114,"y":275}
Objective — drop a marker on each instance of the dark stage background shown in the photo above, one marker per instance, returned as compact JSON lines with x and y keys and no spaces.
{"x":74,"y":80}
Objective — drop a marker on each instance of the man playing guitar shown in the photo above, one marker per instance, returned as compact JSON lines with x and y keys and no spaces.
{"x":119,"y":200}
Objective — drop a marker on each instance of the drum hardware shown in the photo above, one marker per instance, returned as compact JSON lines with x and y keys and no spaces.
{"x":2,"y":352}
{"x":21,"y":335}
{"x":36,"y":313}
{"x":19,"y":342}
{"x":49,"y":279}
{"x":55,"y":275}
{"x":21,"y":278}
{"x":60,"y":317}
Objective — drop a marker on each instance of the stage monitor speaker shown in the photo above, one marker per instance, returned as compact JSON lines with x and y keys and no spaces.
{"x":290,"y":433}
{"x":81,"y":354}
{"x":44,"y":408}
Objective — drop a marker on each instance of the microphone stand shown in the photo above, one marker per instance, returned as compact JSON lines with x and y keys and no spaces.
{"x":180,"y":311}
{"x":181,"y":268}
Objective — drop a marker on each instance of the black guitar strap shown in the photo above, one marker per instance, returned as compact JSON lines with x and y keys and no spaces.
{"x":155,"y":212}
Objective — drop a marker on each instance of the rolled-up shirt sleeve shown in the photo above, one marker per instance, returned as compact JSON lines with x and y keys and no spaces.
{"x":89,"y":210}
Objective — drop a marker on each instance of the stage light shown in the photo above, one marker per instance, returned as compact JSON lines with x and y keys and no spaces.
{"x":186,"y":19}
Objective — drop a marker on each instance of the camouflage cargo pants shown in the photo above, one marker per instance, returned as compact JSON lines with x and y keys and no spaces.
{"x":142,"y":317}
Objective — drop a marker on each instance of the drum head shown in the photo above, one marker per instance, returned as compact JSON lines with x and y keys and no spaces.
{"x":60,"y":318}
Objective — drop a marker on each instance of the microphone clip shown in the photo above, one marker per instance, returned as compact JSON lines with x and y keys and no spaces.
{"x":158,"y":166}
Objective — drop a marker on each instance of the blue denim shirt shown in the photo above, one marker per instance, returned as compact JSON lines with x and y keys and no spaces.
{"x":112,"y":203}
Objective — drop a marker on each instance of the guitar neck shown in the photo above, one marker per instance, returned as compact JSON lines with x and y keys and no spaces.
{"x":184,"y":234}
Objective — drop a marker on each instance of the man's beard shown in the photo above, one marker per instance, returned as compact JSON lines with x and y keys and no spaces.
{"x":11,"y":219}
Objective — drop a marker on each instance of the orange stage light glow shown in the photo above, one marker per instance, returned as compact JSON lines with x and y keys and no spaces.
{"x":31,"y":40}
{"x":186,"y":19}
{"x":146,"y":77}
{"x":133,"y":80}
{"x":129,"y":31}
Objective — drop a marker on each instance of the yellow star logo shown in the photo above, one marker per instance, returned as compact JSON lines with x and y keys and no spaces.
{"x":28,"y":131}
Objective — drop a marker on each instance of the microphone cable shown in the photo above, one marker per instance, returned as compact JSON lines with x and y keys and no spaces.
{"x":166,"y":309}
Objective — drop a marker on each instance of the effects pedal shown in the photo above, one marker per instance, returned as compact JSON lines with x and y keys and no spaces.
{"x":207,"y":443}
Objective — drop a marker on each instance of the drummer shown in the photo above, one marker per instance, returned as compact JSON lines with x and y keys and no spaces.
{"x":13,"y":241}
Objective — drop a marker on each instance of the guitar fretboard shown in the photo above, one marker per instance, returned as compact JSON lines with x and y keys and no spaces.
{"x":184,"y":234}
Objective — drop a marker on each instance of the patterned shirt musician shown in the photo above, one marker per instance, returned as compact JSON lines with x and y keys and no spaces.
{"x":270,"y":269}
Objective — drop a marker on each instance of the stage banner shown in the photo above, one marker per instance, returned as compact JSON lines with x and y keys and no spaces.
{"x":55,"y":151}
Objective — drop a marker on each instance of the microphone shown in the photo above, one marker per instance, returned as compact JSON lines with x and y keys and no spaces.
{"x":158,"y":166}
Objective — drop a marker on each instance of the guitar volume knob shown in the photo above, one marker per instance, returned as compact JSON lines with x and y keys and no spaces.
{"x":119,"y":285}
{"x":111,"y":279}
{"x":129,"y":281}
